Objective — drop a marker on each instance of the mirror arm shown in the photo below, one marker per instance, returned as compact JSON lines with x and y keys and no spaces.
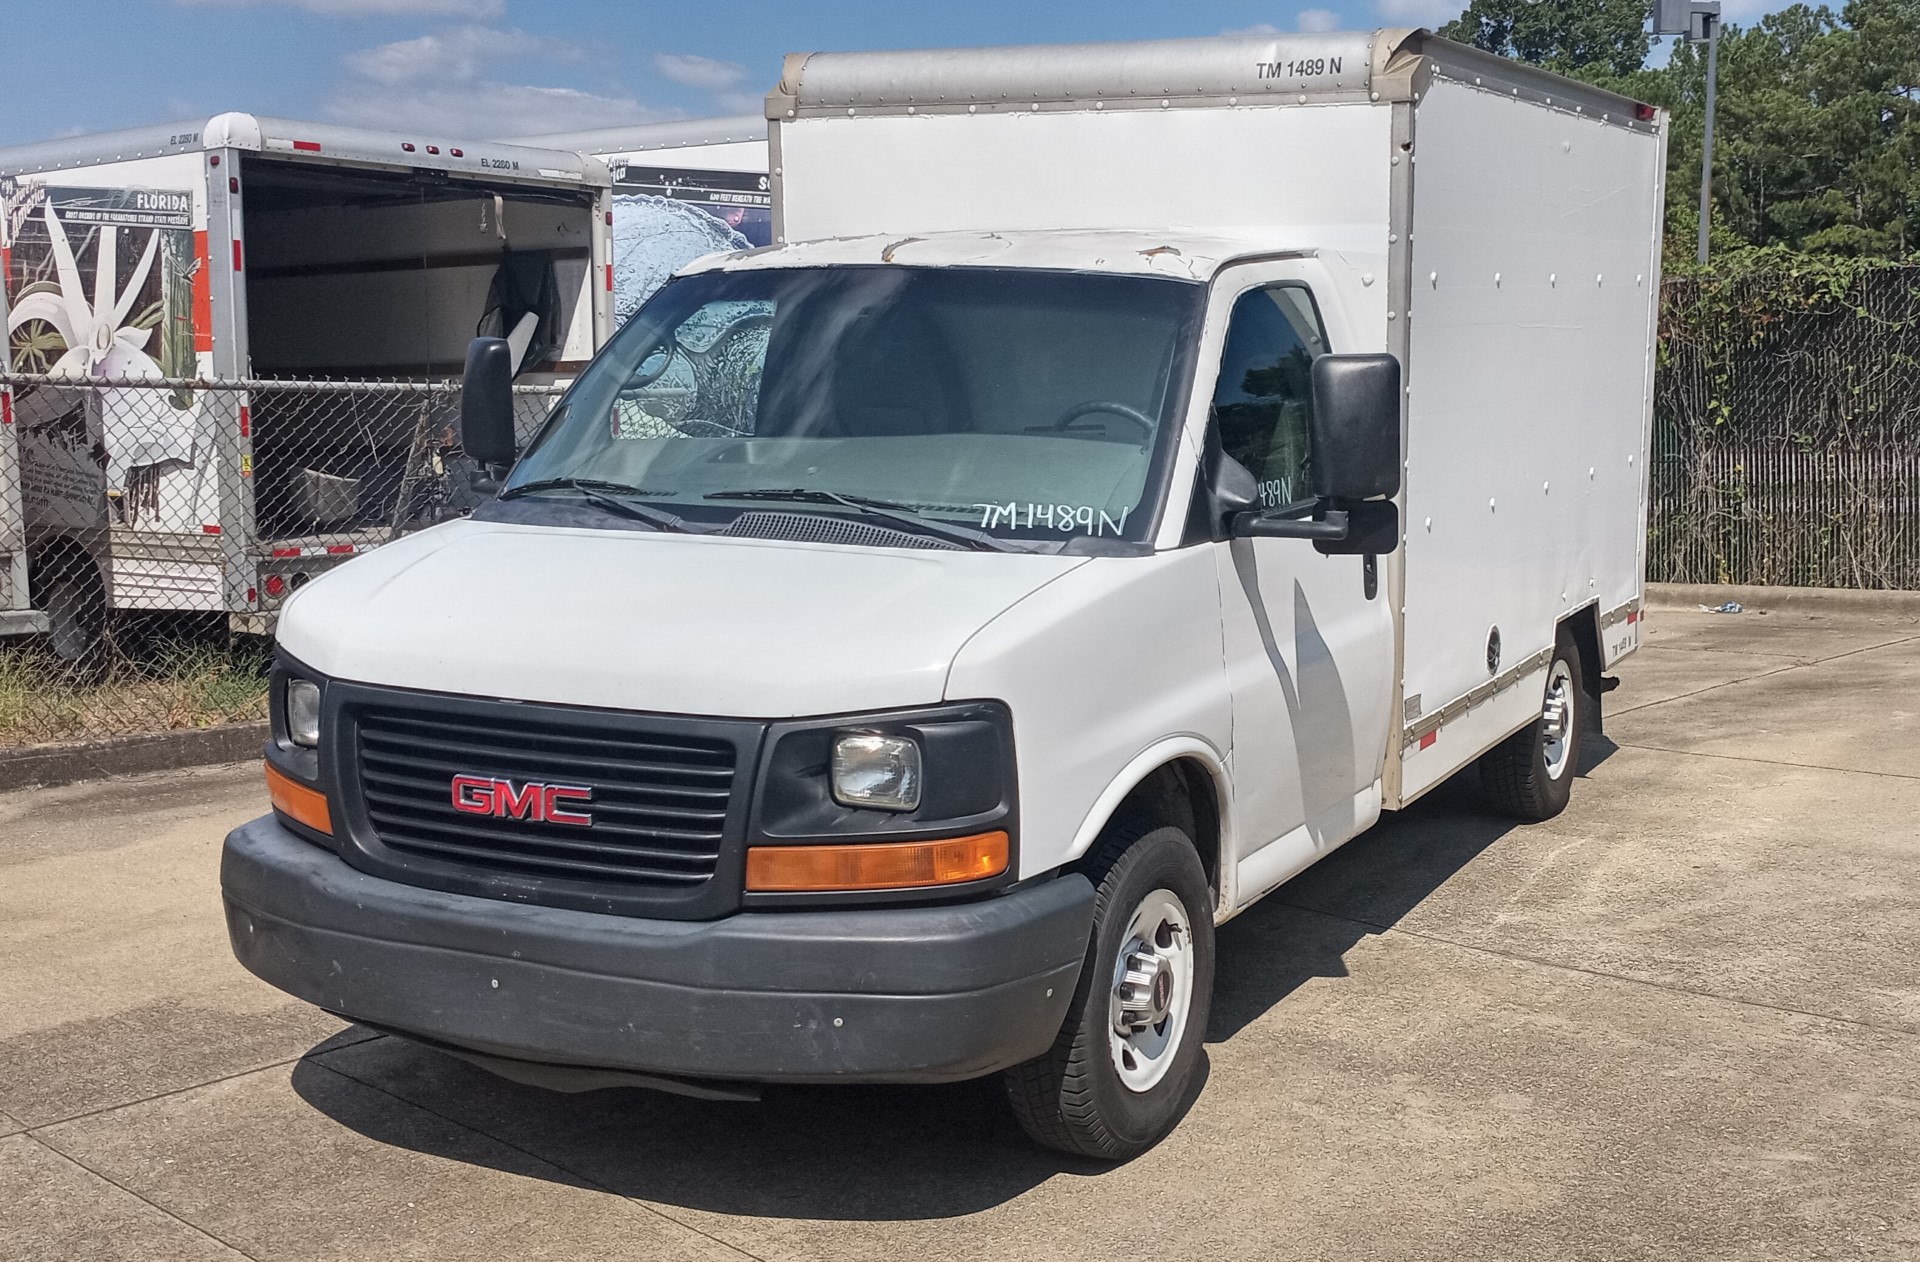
{"x":1331,"y":526}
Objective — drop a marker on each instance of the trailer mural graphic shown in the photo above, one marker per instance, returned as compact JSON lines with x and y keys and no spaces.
{"x":100,"y":284}
{"x":664,"y":218}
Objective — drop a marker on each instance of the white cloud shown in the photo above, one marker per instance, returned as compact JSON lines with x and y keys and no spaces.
{"x":1317,"y":20}
{"x":1258,"y":28}
{"x":1431,"y":13}
{"x":740,"y":102}
{"x":695,"y":71}
{"x":444,"y":82}
{"x":469,"y":10}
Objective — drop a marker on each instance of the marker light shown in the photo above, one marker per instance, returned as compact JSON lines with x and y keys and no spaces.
{"x":876,"y":865}
{"x":880,"y":772}
{"x":303,"y":712}
{"x":300,"y":803}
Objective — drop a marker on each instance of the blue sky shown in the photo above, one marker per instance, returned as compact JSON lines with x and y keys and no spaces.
{"x":505,"y":67}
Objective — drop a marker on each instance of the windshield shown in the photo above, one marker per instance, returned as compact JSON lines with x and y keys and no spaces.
{"x":1016,"y":404}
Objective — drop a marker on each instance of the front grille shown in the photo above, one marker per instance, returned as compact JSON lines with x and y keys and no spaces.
{"x":659,"y":805}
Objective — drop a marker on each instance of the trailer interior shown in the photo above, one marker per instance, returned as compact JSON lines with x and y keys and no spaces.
{"x":365,"y":275}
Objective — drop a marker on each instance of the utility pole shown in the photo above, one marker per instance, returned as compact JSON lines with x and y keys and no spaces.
{"x":1699,"y":22}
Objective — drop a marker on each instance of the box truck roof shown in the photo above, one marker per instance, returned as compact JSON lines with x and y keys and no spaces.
{"x":1382,"y":65}
{"x":492,"y":160}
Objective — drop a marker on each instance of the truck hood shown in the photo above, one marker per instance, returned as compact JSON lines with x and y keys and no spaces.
{"x":666,"y":623}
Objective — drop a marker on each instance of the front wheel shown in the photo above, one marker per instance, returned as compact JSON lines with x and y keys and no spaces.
{"x":1122,"y":1070}
{"x":1530,"y":775}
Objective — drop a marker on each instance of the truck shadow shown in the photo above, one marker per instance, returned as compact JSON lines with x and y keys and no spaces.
{"x":868,"y":1152}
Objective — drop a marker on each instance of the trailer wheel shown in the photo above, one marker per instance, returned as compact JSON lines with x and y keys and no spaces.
{"x":1530,"y":774}
{"x":1122,"y":1070}
{"x":67,"y":587}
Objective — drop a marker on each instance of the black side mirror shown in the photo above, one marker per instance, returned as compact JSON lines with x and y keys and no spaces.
{"x":1356,"y":427}
{"x":486,"y":402}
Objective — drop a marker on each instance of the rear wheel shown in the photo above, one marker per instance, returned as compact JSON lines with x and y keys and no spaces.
{"x":1122,"y":1070}
{"x":67,"y":587}
{"x":1530,"y":774}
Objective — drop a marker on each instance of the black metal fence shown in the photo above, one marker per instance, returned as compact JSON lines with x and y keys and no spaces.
{"x":1787,"y":431}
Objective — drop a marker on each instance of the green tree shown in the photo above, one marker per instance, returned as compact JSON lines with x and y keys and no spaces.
{"x":1817,"y":125}
{"x":1571,"y":36}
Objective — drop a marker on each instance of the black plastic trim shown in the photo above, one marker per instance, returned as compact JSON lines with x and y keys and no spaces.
{"x":905,"y":994}
{"x":359,"y":843}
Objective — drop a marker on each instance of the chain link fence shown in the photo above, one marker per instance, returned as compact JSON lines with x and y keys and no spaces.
{"x":1787,"y":431}
{"x":145,"y":519}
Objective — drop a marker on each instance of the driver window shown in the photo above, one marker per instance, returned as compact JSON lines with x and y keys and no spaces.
{"x":702,"y":382}
{"x":1263,"y":394}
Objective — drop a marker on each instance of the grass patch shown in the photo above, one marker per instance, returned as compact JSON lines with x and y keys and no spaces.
{"x":174,"y":686}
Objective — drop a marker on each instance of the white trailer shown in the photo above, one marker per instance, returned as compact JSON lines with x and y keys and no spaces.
{"x":246,"y":259}
{"x":680,"y":191}
{"x":1132,"y":470}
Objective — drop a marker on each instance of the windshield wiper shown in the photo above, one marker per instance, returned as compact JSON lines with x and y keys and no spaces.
{"x":885,"y":510}
{"x":610,"y":496}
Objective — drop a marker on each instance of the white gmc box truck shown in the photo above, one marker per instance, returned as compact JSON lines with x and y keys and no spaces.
{"x":1132,"y":470}
{"x":206,"y":322}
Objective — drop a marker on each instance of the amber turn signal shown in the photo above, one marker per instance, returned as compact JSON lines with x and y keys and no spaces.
{"x":298,"y":802}
{"x":876,"y":865}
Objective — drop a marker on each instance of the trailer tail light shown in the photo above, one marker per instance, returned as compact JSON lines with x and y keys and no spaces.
{"x":1426,"y":742}
{"x":1644,"y":112}
{"x":298,"y":802}
{"x":433,"y":149}
{"x":406,"y":146}
{"x":239,"y":258}
{"x":609,"y":278}
{"x":276,"y":586}
{"x":456,"y":153}
{"x":6,"y":407}
{"x":209,"y":529}
{"x":307,"y":146}
{"x":876,"y":865}
{"x":609,"y":219}
{"x":246,"y":422}
{"x":233,"y":185}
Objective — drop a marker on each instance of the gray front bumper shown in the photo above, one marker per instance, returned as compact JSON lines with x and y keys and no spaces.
{"x":904,"y":994}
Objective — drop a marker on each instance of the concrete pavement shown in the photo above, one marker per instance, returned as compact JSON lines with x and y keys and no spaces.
{"x":1681,"y":1021}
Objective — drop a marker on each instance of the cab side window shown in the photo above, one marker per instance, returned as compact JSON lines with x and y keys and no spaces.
{"x":1263,"y":394}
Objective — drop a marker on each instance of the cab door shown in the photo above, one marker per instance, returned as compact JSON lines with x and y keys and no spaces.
{"x":1308,"y":637}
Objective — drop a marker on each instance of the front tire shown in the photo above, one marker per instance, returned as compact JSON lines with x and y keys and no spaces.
{"x":1121,"y":1072}
{"x":1530,"y":775}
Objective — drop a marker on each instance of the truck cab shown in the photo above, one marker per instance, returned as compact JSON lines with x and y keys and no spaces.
{"x":904,"y":645}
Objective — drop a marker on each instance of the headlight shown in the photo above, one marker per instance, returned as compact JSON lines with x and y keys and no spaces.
{"x":880,"y":772}
{"x":303,"y":712}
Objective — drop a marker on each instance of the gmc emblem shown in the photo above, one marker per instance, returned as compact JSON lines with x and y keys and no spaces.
{"x":548,"y":803}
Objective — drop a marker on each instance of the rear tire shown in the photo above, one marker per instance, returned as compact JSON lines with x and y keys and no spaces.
{"x":1530,"y":775}
{"x":68,"y":588}
{"x":1121,"y":1072}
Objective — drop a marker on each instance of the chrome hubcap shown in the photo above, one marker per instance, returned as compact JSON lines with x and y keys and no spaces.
{"x":1556,"y":720}
{"x":1152,"y":990}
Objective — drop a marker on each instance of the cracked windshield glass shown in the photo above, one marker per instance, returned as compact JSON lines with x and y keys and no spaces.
{"x":961,"y":405}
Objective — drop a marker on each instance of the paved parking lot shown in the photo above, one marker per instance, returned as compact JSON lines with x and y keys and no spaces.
{"x":1681,"y":1021}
